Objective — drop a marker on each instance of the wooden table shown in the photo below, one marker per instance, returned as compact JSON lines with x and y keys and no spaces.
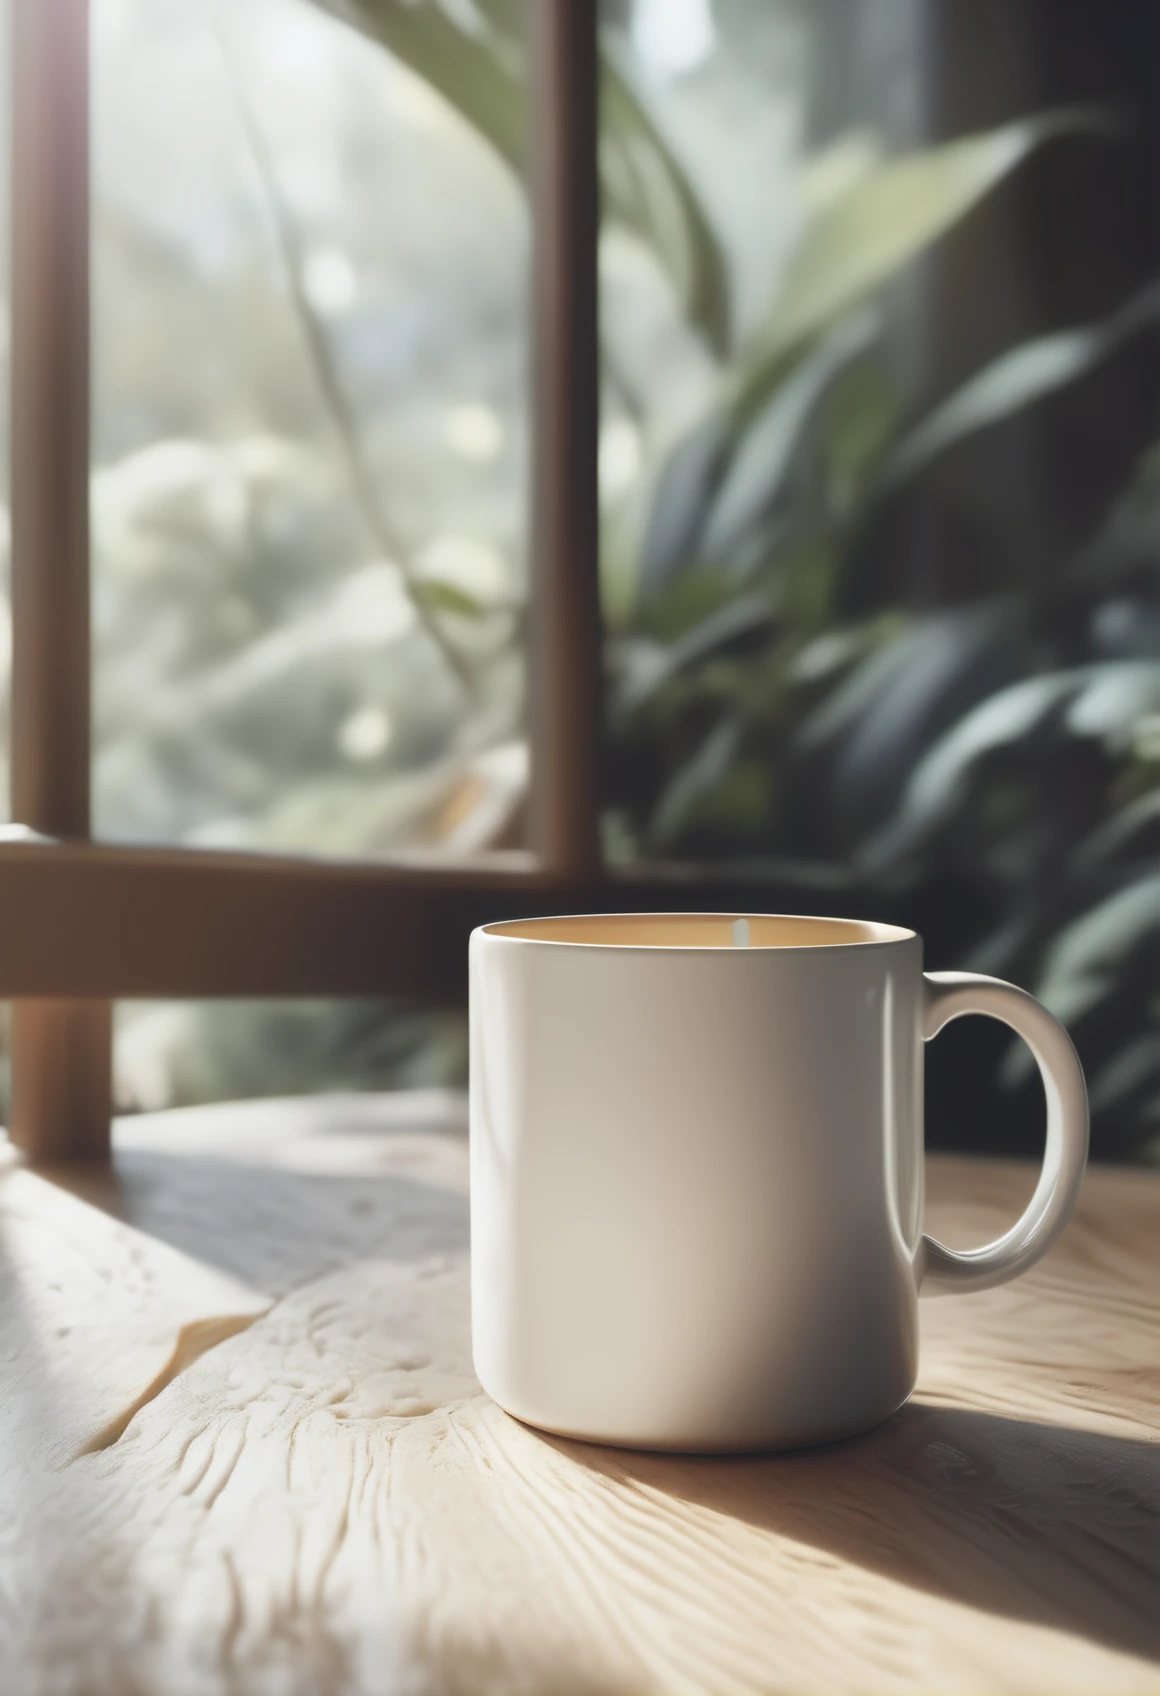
{"x":243,"y":1451}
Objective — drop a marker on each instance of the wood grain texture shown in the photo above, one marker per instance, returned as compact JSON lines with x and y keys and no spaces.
{"x":325,"y":1503}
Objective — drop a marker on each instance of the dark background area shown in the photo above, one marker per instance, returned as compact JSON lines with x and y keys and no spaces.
{"x":1027,"y":553}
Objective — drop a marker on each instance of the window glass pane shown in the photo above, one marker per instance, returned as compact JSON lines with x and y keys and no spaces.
{"x":309,"y":436}
{"x":881,"y":486}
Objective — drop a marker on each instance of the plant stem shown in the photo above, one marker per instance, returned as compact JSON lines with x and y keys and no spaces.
{"x":289,"y":243}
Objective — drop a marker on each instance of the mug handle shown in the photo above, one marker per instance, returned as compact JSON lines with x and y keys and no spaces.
{"x":949,"y":995}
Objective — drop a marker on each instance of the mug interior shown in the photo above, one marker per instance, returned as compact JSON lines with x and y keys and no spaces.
{"x":700,"y":930}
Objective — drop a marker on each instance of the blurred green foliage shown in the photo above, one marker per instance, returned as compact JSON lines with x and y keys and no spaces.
{"x":780,"y":705}
{"x":777,"y":704}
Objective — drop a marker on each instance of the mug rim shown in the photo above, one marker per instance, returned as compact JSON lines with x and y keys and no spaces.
{"x":885,"y":935}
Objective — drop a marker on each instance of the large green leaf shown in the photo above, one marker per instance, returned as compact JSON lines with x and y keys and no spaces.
{"x":685,"y":488}
{"x":742,"y":492}
{"x":1098,"y":943}
{"x":1127,"y":546}
{"x":1113,"y":699}
{"x":872,"y":218}
{"x":737,"y":617}
{"x":779,"y":438}
{"x":1099,"y":977}
{"x":1017,"y":380}
{"x":926,"y":656}
{"x":1096,"y":702}
{"x":855,"y":752}
{"x":831,"y":172}
{"x":645,"y":188}
{"x":889,"y":215}
{"x":473,"y":55}
{"x":476,"y":66}
{"x":1127,"y":838}
{"x":1130,"y":1081}
{"x":940,"y":783}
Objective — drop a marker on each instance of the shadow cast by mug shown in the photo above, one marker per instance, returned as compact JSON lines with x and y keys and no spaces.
{"x":1057,"y":1527}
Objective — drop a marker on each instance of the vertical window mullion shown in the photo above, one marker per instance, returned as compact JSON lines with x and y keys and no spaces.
{"x":564,"y":631}
{"x":50,"y":417}
{"x":60,"y":1049}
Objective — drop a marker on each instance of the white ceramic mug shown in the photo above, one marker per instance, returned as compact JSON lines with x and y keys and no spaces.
{"x":697,"y":1172}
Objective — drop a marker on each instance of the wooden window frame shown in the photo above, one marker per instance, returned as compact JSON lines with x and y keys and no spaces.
{"x":86,"y":922}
